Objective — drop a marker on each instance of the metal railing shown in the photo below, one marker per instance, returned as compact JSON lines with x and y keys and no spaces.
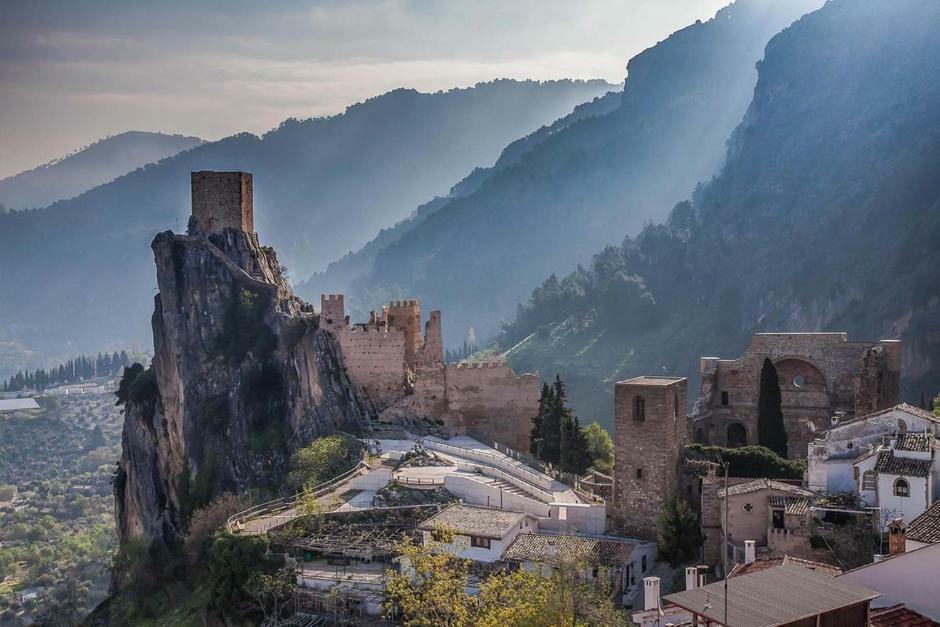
{"x":497,"y":461}
{"x":419,"y":481}
{"x":272,"y":510}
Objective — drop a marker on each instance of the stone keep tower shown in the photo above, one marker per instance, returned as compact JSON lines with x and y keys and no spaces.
{"x":650,"y":430}
{"x":405,"y":316}
{"x":332,"y":312}
{"x":223,"y":200}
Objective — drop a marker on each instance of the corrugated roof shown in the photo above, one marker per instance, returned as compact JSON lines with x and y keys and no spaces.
{"x":763,"y":484}
{"x":775,"y":596}
{"x":891,"y":464}
{"x":551,"y":548}
{"x":926,"y":527}
{"x":18,"y":404}
{"x":764,"y":563}
{"x":899,"y":616}
{"x":473,"y":520}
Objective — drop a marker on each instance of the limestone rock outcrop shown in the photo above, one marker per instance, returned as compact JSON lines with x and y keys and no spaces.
{"x":242,"y":376}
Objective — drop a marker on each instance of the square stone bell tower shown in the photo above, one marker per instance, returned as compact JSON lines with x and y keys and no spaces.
{"x":651,"y":429}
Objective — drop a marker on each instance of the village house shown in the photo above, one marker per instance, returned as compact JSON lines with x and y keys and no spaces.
{"x":925,"y":529}
{"x":909,"y":577}
{"x":899,"y":477}
{"x":833,"y":453}
{"x":623,"y":561}
{"x":481,"y":534}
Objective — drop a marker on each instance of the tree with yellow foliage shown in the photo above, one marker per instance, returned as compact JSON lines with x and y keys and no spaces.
{"x":432,"y":589}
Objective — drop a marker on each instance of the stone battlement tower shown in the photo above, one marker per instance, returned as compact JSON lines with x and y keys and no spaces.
{"x":223,"y":200}
{"x":651,"y":429}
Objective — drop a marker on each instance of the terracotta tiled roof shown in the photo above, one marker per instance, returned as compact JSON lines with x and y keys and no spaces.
{"x":899,"y":616}
{"x":764,"y":563}
{"x":910,"y":441}
{"x":550,"y":548}
{"x":763,"y":484}
{"x":794,"y":505}
{"x":926,"y":527}
{"x":472,"y":520}
{"x":891,"y":464}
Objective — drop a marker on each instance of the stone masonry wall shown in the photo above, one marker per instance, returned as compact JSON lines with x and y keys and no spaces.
{"x":404,"y":374}
{"x":223,"y":200}
{"x":647,"y":451}
{"x":819,"y":373}
{"x":490,"y":399}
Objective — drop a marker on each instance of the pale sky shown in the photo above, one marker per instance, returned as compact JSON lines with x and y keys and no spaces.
{"x":74,"y":71}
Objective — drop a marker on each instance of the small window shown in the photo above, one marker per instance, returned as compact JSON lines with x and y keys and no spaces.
{"x":639,"y":473}
{"x":902,"y":488}
{"x":675,"y":404}
{"x":643,"y":564}
{"x":724,"y":398}
{"x":639,"y":408}
{"x":480,"y":542}
{"x":855,"y":473}
{"x":869,"y":481}
{"x":902,"y":426}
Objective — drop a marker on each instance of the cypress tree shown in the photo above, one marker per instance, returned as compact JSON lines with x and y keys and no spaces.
{"x":771,"y":431}
{"x":538,"y":421}
{"x":552,"y":423}
{"x":680,"y":537}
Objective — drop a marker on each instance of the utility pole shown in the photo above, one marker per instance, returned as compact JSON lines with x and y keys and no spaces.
{"x":724,"y":533}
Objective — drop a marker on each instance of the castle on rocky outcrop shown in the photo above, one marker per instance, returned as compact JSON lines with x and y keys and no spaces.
{"x":404,"y":374}
{"x":821,"y":375}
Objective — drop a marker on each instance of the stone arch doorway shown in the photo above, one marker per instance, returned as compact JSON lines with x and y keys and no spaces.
{"x":735,"y":435}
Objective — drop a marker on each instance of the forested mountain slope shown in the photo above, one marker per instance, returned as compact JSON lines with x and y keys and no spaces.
{"x":590,"y":183}
{"x":102,"y":161}
{"x":340,"y":275}
{"x":77,"y":276}
{"x":826,"y":217}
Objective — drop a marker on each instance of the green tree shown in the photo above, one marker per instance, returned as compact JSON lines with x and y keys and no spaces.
{"x":323,"y":459}
{"x":552,"y":423}
{"x":771,"y":431}
{"x":538,"y":421}
{"x":600,"y":447}
{"x":576,"y":458}
{"x":232,"y":561}
{"x":679,"y":538}
{"x":935,"y":405}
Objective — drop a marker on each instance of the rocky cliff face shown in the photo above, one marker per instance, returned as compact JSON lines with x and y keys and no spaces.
{"x":242,"y":376}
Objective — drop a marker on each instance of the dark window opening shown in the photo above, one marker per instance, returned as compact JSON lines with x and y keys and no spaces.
{"x":480,"y":542}
{"x":778,"y":518}
{"x":643,"y":564}
{"x":639,"y":408}
{"x":902,"y":488}
{"x":639,"y":473}
{"x":724,"y":398}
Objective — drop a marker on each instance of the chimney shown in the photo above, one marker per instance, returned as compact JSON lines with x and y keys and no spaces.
{"x":650,"y":593}
{"x":691,"y":578}
{"x":702,"y":573}
{"x":897,"y":537}
{"x":750,"y":551}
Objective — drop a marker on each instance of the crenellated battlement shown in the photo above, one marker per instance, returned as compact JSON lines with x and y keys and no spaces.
{"x":469,"y":365}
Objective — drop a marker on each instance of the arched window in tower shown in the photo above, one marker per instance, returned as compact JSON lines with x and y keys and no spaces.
{"x":902,"y":487}
{"x":639,"y":408}
{"x":736,"y":435}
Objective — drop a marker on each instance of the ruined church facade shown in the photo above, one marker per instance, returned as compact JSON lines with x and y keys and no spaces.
{"x":821,"y":376}
{"x":403,"y":371}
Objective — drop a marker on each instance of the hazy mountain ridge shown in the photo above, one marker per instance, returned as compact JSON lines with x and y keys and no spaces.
{"x":322,"y":187}
{"x":826,"y":217}
{"x":93,"y":165}
{"x":340,"y":275}
{"x":590,"y":183}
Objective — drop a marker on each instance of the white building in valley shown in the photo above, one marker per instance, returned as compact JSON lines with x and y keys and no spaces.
{"x":481,"y":534}
{"x":832,"y":456}
{"x":899,"y":476}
